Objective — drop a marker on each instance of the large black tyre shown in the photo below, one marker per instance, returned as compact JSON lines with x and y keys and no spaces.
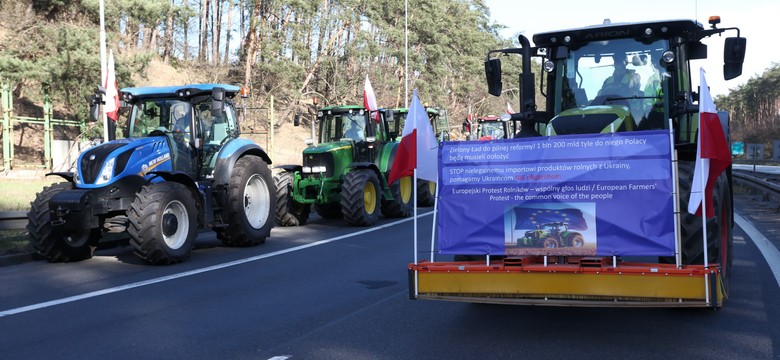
{"x":719,"y":229}
{"x":360,"y":195}
{"x":328,"y":211}
{"x":53,"y":243}
{"x":250,"y":205}
{"x":575,"y":240}
{"x":163,"y":223}
{"x":401,"y":205}
{"x":550,"y":242}
{"x":288,"y":212}
{"x":426,"y":193}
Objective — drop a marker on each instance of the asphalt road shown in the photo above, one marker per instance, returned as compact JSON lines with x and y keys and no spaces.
{"x":317,"y":292}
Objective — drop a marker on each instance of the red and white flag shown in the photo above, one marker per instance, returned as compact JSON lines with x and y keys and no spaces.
{"x":712,"y":153}
{"x":369,"y":99}
{"x":418,"y":147}
{"x":112,"y":93}
{"x":509,"y":109}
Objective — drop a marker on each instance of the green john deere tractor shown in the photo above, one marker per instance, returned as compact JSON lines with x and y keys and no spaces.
{"x":345,"y":175}
{"x":426,"y":190}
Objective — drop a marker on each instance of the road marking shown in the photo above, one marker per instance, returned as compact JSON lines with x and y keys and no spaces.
{"x":88,"y":295}
{"x":770,"y":252}
{"x":280,"y":357}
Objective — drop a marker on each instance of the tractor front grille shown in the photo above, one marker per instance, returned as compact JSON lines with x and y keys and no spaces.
{"x":92,"y":161}
{"x":321,"y":159}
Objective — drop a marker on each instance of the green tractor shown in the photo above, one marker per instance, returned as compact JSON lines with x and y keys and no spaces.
{"x":426,"y":190}
{"x":552,"y":235}
{"x":345,"y":175}
{"x":491,"y":127}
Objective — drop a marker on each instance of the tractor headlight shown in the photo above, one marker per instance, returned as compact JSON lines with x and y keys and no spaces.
{"x":108,"y":171}
{"x":318,"y":169}
{"x":306,"y":169}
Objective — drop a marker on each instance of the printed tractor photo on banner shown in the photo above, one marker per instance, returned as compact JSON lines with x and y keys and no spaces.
{"x":551,"y":229}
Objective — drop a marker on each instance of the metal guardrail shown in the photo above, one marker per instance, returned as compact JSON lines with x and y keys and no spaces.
{"x":770,"y":189}
{"x":10,"y":220}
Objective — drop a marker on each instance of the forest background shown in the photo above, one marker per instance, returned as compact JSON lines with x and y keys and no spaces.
{"x":293,"y":50}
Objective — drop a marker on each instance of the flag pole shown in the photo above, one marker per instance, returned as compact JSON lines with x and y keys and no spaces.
{"x":676,"y":197}
{"x":103,"y":66}
{"x":433,"y":227}
{"x":414,"y":206}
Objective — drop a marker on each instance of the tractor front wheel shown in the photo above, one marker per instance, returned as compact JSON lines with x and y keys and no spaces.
{"x":250,"y":204}
{"x":426,"y":193}
{"x":401,"y":206}
{"x":576,"y":240}
{"x":55,"y":243}
{"x":360,"y":196}
{"x":163,"y":223}
{"x":288,"y":212}
{"x":550,"y":242}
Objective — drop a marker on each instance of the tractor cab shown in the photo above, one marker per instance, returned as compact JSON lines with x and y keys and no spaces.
{"x":436,"y":116}
{"x":615,"y":77}
{"x":353,"y":127}
{"x":195,"y":123}
{"x":492,"y":127}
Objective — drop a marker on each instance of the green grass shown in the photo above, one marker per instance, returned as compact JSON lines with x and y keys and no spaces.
{"x":19,"y":193}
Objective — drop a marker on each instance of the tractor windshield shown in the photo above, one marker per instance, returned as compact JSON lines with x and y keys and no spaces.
{"x":617,"y":72}
{"x":491,"y":130}
{"x":343,"y":125}
{"x":168,"y":115}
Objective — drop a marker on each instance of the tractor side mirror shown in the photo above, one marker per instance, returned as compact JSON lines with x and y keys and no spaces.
{"x":94,"y":103}
{"x":217,"y":100}
{"x":297,"y":120}
{"x":493,"y":76}
{"x":733,"y":57}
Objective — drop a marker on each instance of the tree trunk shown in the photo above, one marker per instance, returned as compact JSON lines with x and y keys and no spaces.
{"x":250,"y":42}
{"x":204,"y":30}
{"x":168,"y":41}
{"x":186,"y":25}
{"x":216,"y":33}
{"x":228,"y":28}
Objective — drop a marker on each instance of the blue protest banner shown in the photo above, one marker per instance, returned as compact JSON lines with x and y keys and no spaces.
{"x":596,"y":194}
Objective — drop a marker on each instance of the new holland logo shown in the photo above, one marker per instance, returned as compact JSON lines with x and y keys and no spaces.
{"x":92,"y":157}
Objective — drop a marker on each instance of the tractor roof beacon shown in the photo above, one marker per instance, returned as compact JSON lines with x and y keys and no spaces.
{"x":181,"y":166}
{"x":583,"y":97}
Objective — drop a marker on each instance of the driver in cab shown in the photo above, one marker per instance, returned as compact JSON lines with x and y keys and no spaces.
{"x":623,"y":82}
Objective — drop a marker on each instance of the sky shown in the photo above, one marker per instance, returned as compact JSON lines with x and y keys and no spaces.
{"x":754,"y":18}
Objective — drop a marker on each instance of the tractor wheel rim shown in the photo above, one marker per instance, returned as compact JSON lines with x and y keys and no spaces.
{"x":369,"y":198}
{"x":257,"y":201}
{"x":406,"y":189}
{"x":175,"y":224}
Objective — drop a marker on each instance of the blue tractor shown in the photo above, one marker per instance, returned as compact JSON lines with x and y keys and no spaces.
{"x":180,"y":167}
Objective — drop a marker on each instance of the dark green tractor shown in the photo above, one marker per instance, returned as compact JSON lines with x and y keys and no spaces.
{"x":426,"y":190}
{"x":552,"y":235}
{"x":345,"y":174}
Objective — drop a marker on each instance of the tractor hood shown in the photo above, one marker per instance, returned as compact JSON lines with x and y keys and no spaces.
{"x":333,"y":156}
{"x":104,"y":164}
{"x":591,"y":120}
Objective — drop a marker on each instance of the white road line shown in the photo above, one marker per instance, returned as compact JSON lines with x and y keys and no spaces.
{"x":196,"y":271}
{"x":280,"y":357}
{"x":770,"y":252}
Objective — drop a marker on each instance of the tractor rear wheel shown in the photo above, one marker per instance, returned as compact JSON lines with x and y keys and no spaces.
{"x":250,"y":204}
{"x":53,"y":243}
{"x":288,"y":212}
{"x":360,"y":195}
{"x":426,"y":193}
{"x":329,"y":210}
{"x":719,"y":229}
{"x":163,"y":223}
{"x":401,"y":205}
{"x":576,"y":240}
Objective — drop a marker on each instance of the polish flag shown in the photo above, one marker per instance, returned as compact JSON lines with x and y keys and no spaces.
{"x":418,"y":147}
{"x":509,"y":109}
{"x":712,"y":153}
{"x":112,"y":93}
{"x":369,"y":99}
